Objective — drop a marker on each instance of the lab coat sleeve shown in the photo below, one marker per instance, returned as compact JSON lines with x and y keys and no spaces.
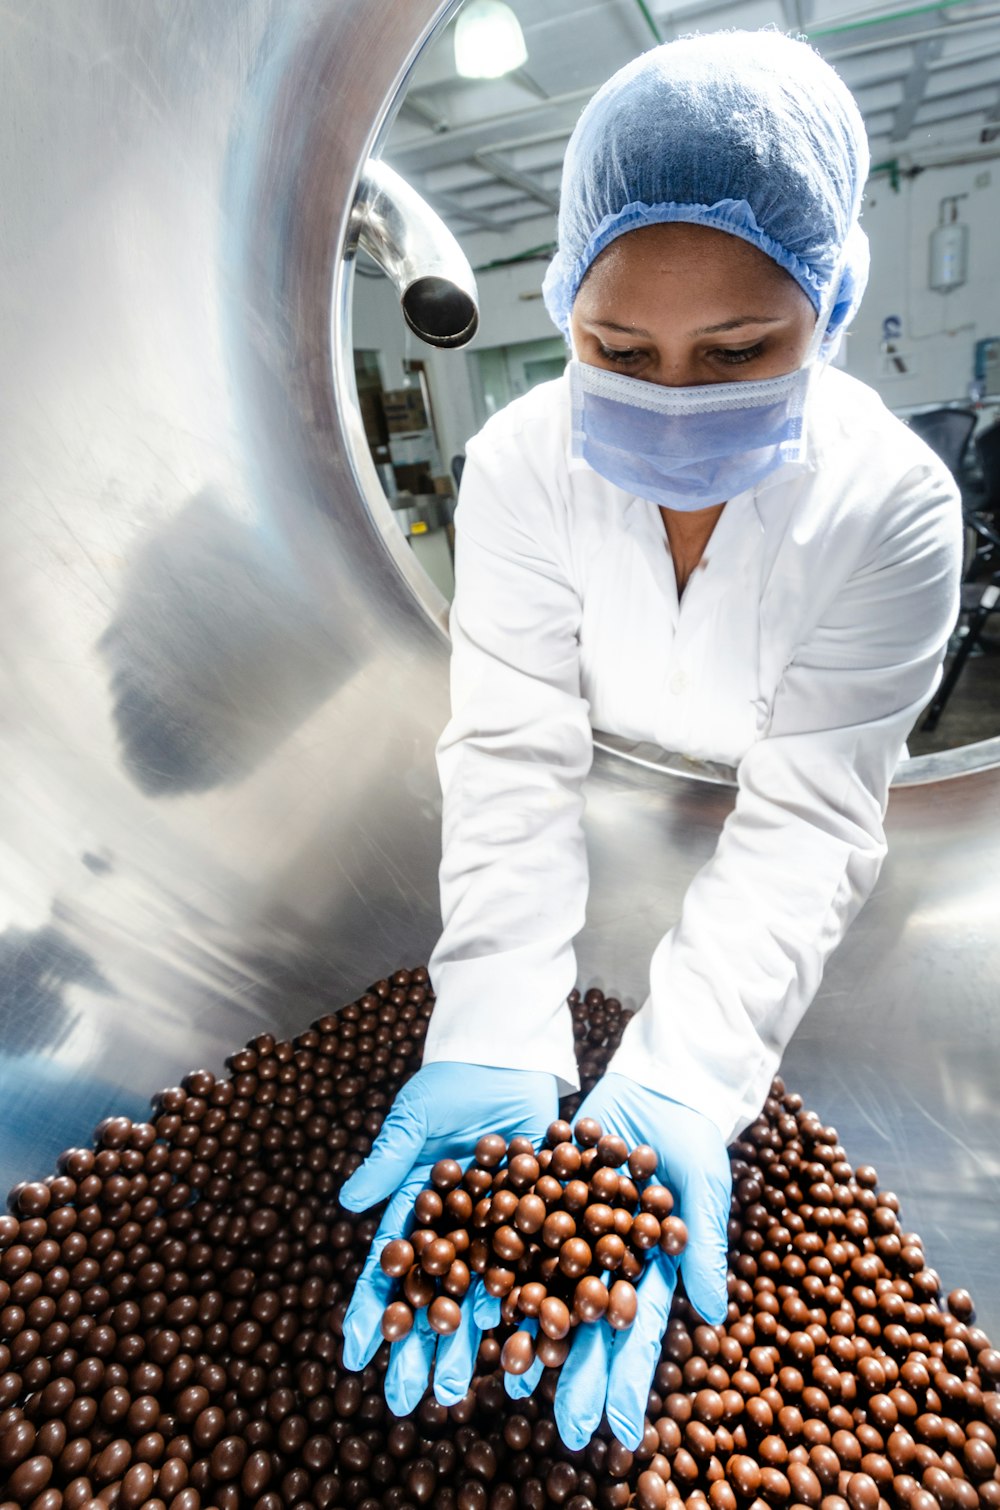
{"x":511,"y":761}
{"x":803,"y":847}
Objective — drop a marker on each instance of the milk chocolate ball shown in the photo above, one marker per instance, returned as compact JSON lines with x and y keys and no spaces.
{"x":397,"y":1258}
{"x":609,"y":1251}
{"x":446,"y":1174}
{"x":397,"y":1321}
{"x":444,"y":1315}
{"x":642,"y":1162}
{"x":590,"y":1298}
{"x":418,"y":1288}
{"x":644,"y":1232}
{"x":489,"y":1151}
{"x":518,"y":1353}
{"x":657,"y":1200}
{"x":438,"y":1256}
{"x":575,"y":1257}
{"x":587,"y":1132}
{"x":673,"y":1236}
{"x":554,"y":1318}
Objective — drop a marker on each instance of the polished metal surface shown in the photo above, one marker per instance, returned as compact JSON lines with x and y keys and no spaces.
{"x":413,"y":246}
{"x":223,"y":672}
{"x":218,"y":807}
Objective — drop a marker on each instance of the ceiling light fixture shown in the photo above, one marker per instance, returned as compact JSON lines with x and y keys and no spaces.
{"x":489,"y":41}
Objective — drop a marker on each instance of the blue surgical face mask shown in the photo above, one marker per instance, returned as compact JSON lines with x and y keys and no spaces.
{"x":686,"y":448}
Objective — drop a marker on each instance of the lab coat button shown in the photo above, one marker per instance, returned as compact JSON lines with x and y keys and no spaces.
{"x":678,"y":682}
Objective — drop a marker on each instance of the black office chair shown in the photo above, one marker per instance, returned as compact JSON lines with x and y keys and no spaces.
{"x":981,"y":507}
{"x":988,"y":451}
{"x":948,"y":432}
{"x":980,"y":590}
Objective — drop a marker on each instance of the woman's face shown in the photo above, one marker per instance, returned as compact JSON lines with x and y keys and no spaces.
{"x":684,"y":304}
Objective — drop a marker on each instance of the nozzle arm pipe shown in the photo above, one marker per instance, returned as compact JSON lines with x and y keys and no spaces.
{"x":415,"y":249}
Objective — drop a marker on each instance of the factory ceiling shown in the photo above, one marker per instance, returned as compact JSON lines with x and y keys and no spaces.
{"x":487,"y":153}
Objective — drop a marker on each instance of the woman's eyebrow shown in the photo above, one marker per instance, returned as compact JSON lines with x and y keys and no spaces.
{"x":714,"y":330}
{"x":706,"y":330}
{"x":627,"y":330}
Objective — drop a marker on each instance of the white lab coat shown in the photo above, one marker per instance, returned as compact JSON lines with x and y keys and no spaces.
{"x":802,"y":651}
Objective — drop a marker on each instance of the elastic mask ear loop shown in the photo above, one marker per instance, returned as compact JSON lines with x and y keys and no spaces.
{"x":823,"y":316}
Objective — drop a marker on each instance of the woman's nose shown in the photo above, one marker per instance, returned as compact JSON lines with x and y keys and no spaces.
{"x":677,"y":370}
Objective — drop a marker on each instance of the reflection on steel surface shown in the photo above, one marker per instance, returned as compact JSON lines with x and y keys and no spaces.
{"x":436,"y":285}
{"x":221,"y":672}
{"x":213,"y":654}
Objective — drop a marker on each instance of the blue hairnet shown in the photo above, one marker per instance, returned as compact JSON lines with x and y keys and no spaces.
{"x":750,"y":132}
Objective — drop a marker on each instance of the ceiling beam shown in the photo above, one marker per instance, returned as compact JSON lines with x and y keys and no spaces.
{"x":450,"y":208}
{"x":884,"y":41}
{"x":798,"y":14}
{"x":416,"y":106}
{"x":914,"y":89}
{"x":465,"y":141}
{"x":963,"y":93}
{"x":517,"y":180}
{"x":527,"y":81}
{"x":936,"y":67}
{"x":975,"y":103}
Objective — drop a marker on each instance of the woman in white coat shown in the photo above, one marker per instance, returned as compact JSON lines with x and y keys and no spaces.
{"x":705,"y":537}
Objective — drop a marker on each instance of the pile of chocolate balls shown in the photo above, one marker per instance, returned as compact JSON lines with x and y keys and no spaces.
{"x":172,"y":1301}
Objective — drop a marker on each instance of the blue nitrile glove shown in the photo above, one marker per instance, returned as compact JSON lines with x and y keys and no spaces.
{"x":613,"y":1371}
{"x":453,"y":1358}
{"x":440,"y":1114}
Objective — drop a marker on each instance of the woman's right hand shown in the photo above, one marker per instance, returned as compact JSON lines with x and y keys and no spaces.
{"x":440,"y":1114}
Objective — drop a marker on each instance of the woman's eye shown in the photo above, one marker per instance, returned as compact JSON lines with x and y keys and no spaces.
{"x":733,"y":358}
{"x":627,"y":358}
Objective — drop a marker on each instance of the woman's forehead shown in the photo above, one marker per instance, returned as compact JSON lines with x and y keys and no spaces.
{"x":659,"y":265}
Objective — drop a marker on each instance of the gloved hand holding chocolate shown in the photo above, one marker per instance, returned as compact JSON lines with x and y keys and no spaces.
{"x":521,"y":1252}
{"x":558,"y":1238}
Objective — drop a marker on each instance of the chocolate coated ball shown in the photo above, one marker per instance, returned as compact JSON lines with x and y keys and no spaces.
{"x":397,"y":1321}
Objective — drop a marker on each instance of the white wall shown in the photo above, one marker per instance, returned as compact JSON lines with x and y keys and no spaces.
{"x":939,"y":331}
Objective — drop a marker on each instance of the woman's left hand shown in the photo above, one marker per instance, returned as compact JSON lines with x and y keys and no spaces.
{"x":442,"y":1112}
{"x":613,"y":1371}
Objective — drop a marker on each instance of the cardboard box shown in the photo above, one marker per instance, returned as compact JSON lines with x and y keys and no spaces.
{"x":404,"y":410}
{"x":414,"y":478}
{"x":373,"y":419}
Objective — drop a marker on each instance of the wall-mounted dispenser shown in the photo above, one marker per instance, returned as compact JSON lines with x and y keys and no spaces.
{"x":949,"y":248}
